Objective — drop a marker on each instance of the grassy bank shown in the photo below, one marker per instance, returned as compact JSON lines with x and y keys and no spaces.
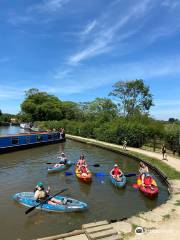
{"x":170,"y":172}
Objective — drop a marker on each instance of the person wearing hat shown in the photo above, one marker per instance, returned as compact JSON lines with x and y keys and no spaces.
{"x":116,"y":172}
{"x":40,"y":194}
{"x":63,"y":159}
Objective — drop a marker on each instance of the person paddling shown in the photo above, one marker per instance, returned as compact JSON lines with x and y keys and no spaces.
{"x":116,"y":172}
{"x":63,"y":159}
{"x":40,"y":194}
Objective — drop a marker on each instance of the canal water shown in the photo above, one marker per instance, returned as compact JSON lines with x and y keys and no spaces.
{"x":20,"y":171}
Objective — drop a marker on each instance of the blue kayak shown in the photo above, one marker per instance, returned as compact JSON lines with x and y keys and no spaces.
{"x":59,"y":167}
{"x":118,"y":184}
{"x":69,"y":204}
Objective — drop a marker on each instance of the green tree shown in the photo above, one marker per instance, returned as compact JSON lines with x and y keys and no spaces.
{"x":133,"y":96}
{"x":41,"y":106}
{"x":71,"y":110}
{"x":101,"y":109}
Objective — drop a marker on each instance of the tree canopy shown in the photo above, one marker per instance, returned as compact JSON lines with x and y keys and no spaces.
{"x":133,"y":96}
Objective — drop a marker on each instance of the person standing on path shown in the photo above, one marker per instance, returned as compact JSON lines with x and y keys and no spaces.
{"x":124,"y":144}
{"x":164,"y":153}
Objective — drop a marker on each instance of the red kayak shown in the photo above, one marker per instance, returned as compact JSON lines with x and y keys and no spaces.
{"x":86,"y":179}
{"x":150,"y":189}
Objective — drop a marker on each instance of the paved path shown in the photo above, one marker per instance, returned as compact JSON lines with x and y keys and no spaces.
{"x":172,"y":161}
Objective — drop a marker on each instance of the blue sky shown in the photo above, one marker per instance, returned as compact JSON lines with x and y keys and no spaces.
{"x":77,"y":49}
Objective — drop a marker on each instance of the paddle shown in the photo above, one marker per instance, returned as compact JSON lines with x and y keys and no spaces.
{"x":93,"y":165}
{"x":100,"y":174}
{"x":43,"y":202}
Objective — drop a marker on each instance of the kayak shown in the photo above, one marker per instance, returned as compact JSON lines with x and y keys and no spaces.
{"x":119,"y":184}
{"x":59,"y":167}
{"x":86,"y":179}
{"x":149,"y":191}
{"x":71,"y":205}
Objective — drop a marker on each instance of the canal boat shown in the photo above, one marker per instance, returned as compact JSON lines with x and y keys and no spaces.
{"x":25,"y":125}
{"x":85,"y":179}
{"x":69,"y":204}
{"x":151,"y":191}
{"x":59,"y":167}
{"x":28,"y":140}
{"x":119,"y":184}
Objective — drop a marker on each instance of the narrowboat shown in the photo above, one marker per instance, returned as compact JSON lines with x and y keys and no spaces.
{"x":16,"y":142}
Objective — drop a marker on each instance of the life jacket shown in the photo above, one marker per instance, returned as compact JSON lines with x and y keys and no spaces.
{"x":83,"y":170}
{"x":40,"y":194}
{"x":148,"y":180}
{"x":116,"y":171}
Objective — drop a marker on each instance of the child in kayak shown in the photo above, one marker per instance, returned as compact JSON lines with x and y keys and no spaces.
{"x":116,"y":173}
{"x":143,"y":170}
{"x":84,"y":171}
{"x":81,"y":161}
{"x":148,"y":181}
{"x":40,"y":194}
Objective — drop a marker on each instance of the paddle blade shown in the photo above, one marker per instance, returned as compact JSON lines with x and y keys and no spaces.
{"x":130,"y":174}
{"x":68,"y":173}
{"x":96,"y":165}
{"x":100,"y":174}
{"x":30,"y":210}
{"x":136,"y":186}
{"x":49,"y":163}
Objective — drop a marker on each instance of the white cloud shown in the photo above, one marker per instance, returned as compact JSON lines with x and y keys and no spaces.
{"x":50,"y":5}
{"x":104,"y":37}
{"x":10,"y":93}
{"x":170,"y":3}
{"x":167,"y":102}
{"x":165,"y":114}
{"x":89,"y":27}
{"x":81,"y":79}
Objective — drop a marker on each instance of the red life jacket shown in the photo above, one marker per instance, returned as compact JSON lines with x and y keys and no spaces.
{"x":116,"y":171}
{"x":83,"y":170}
{"x":148,"y":180}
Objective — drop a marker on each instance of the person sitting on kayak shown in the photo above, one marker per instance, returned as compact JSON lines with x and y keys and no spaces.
{"x":148,"y":181}
{"x":40,"y":194}
{"x":116,"y":173}
{"x":63,"y":159}
{"x":143,"y":170}
{"x":84,"y":171}
{"x":81,"y":161}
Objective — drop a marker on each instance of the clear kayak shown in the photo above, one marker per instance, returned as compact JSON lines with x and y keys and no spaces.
{"x":119,"y":184}
{"x":69,"y":204}
{"x":59,"y":167}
